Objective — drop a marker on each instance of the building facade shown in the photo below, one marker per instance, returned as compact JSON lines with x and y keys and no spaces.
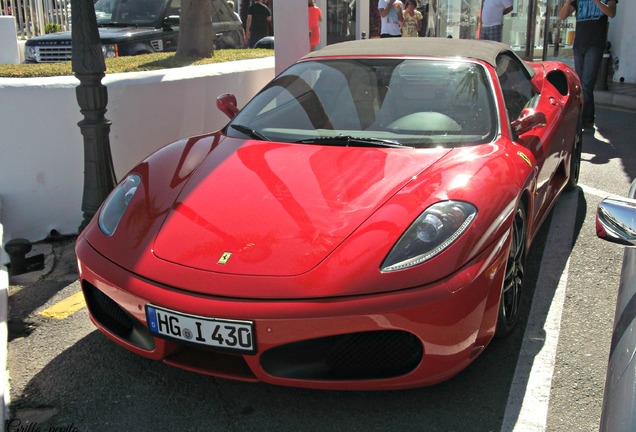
{"x":532,"y":29}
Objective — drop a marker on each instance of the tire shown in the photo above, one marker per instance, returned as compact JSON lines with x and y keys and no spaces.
{"x":511,"y":291}
{"x":575,"y":158}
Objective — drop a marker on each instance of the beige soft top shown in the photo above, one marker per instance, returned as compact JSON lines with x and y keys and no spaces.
{"x":487,"y":51}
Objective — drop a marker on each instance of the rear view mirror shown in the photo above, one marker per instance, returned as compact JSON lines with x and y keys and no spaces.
{"x":227,"y":104}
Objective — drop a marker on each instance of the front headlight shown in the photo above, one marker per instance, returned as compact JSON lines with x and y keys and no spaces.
{"x":29,"y":53}
{"x":110,"y":50}
{"x":432,"y":232}
{"x":116,"y":204}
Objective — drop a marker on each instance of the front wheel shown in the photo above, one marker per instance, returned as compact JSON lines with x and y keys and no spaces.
{"x":513,"y":279}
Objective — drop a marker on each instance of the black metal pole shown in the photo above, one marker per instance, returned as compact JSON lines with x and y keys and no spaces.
{"x":89,"y":67}
{"x":530,"y":29}
{"x":546,"y":31}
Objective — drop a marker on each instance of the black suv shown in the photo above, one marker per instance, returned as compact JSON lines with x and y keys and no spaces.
{"x":131,"y":27}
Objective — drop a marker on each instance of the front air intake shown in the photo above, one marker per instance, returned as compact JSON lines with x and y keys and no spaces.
{"x":115,"y":319}
{"x":355,"y":356}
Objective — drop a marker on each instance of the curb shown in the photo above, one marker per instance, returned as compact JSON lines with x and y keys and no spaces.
{"x":614,"y":98}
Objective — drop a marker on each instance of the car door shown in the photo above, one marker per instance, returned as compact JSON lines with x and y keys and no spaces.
{"x":170,"y":27}
{"x":545,"y":141}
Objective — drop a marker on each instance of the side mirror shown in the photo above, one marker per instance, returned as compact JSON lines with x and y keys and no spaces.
{"x":528,"y":120}
{"x":170,"y":21}
{"x":616,"y":221}
{"x":227,"y":104}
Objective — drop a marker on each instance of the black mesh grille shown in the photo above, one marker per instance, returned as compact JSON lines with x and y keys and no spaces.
{"x":107,"y":312}
{"x":373,"y":352}
{"x":114,"y":318}
{"x":365,"y":355}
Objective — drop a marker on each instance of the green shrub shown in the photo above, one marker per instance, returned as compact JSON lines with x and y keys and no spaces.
{"x":145,"y":62}
{"x":52,"y":28}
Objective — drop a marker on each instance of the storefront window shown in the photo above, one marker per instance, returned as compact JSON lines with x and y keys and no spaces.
{"x":560,"y":34}
{"x":550,"y":37}
{"x":341,"y":20}
{"x":456,"y":18}
{"x":515,"y":29}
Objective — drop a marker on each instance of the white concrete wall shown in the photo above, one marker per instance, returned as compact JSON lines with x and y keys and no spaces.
{"x":41,"y":147}
{"x":9,"y":51}
{"x":623,"y":39}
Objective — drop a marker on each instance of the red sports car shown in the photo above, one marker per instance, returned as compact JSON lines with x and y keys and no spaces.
{"x":361,"y":223}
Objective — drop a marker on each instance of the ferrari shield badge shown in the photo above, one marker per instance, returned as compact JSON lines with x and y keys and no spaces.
{"x":224,"y":258}
{"x":525,"y":158}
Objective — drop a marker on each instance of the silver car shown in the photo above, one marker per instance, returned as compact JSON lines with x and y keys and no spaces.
{"x":616,"y":223}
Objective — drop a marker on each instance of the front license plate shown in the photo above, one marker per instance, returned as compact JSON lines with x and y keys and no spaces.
{"x":229,"y":335}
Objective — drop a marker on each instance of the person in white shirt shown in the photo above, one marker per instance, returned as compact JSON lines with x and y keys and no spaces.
{"x":391,"y":14}
{"x":492,"y":13}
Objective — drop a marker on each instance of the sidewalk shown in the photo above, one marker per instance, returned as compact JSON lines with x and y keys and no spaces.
{"x":619,"y":94}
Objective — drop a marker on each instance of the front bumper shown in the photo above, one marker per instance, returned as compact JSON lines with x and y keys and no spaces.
{"x":409,"y":338}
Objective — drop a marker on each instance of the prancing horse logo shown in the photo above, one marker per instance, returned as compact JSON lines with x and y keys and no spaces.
{"x":224,"y":258}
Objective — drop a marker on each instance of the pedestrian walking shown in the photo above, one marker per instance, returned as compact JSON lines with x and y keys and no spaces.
{"x":590,"y":38}
{"x":412,"y":19}
{"x":391,"y":15}
{"x":492,"y":13}
{"x":314,"y":17}
{"x":257,"y":26}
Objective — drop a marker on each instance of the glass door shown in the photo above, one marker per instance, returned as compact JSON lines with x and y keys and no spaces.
{"x":341,"y":20}
{"x":551,"y":38}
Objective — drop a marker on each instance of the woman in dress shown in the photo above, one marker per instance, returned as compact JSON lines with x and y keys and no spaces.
{"x":315,"y":17}
{"x":412,"y":19}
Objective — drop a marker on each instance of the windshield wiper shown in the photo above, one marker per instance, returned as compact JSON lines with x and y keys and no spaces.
{"x":250,"y":132}
{"x":348,"y":141}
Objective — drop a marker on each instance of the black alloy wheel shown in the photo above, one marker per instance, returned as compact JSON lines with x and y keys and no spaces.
{"x":511,"y":292}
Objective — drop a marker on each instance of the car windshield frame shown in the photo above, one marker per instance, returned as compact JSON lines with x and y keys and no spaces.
{"x":409,"y":102}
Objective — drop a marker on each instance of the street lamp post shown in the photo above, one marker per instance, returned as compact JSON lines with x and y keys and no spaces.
{"x":89,"y":67}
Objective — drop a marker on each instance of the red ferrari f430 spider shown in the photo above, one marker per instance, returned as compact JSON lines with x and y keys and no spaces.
{"x":361,"y":223}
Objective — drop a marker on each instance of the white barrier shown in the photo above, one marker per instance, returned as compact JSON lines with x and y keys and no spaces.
{"x":41,"y":147}
{"x":9,"y":53}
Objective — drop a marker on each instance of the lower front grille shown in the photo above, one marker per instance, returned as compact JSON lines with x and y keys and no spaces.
{"x":356,"y":356}
{"x":50,"y":54}
{"x":115,"y":319}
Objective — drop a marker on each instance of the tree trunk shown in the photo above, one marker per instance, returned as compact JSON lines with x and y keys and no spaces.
{"x":196,"y":38}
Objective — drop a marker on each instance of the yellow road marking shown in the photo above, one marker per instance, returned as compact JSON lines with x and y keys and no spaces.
{"x":66,"y":307}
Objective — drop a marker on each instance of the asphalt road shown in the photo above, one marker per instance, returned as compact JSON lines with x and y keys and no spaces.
{"x":547,"y":376}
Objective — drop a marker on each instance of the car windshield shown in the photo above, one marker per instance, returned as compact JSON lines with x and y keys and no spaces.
{"x":128,"y":12}
{"x":373,"y":102}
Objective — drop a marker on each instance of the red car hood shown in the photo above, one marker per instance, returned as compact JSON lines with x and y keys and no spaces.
{"x":280,"y":209}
